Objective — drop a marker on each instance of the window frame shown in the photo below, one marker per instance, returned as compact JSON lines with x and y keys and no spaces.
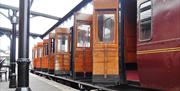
{"x":46,"y":49}
{"x":83,"y":23}
{"x":149,"y":7}
{"x":52,"y":45}
{"x":105,"y":11}
{"x":35,"y":53}
{"x":40,"y":52}
{"x":68,"y":39}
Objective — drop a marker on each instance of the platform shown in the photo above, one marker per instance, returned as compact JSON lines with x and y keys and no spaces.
{"x":39,"y":84}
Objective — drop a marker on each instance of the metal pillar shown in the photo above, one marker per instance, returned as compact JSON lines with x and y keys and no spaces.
{"x":12,"y":83}
{"x":122,"y":68}
{"x":23,"y":57}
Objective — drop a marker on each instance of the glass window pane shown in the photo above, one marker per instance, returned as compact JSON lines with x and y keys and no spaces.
{"x":106,"y":27}
{"x":83,"y":39}
{"x":145,"y":31}
{"x":39,"y":52}
{"x":145,"y":21}
{"x":52,"y":45}
{"x":35,"y":53}
{"x":32,"y":54}
{"x":145,"y":4}
{"x":63,"y":43}
{"x":46,"y":49}
{"x":145,"y":14}
{"x":100,"y":27}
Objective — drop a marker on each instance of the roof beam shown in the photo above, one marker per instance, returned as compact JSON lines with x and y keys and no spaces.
{"x":9,"y":32}
{"x":3,"y":6}
{"x":68,"y":15}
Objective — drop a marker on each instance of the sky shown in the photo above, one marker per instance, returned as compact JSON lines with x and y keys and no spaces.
{"x":52,"y":7}
{"x":40,"y":24}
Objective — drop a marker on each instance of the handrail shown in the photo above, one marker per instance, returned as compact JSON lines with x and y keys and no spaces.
{"x":2,"y":60}
{"x":1,"y":63}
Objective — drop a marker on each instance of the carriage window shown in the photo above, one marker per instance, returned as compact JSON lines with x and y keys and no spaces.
{"x":35,"y":53}
{"x":63,"y":43}
{"x":46,"y":49}
{"x":145,"y":21}
{"x":39,"y":52}
{"x":52,"y":46}
{"x":106,"y":27}
{"x":83,"y":39}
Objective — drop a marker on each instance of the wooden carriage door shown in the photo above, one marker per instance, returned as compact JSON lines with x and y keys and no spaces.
{"x":105,"y":44}
{"x":83,"y":50}
{"x":62,"y":53}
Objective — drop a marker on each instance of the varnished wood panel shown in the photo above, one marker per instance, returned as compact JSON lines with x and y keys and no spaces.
{"x":62,"y":58}
{"x":34,"y":56}
{"x":39,"y":59}
{"x":64,"y":62}
{"x":45,"y":57}
{"x":105,"y":4}
{"x":83,"y":61}
{"x":105,"y":55}
{"x":82,"y":55}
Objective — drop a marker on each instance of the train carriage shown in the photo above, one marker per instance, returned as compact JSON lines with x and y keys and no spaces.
{"x":62,"y":48}
{"x":158,"y":44}
{"x":107,"y":41}
{"x":39,"y":55}
{"x":34,"y":57}
{"x":145,"y":34}
{"x":51,"y":58}
{"x":82,"y":63}
{"x":45,"y":56}
{"x":130,"y":42}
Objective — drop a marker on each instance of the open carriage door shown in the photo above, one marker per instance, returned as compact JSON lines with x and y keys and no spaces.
{"x":83,"y":46}
{"x":105,"y":41}
{"x":128,"y":33}
{"x":62,"y":51}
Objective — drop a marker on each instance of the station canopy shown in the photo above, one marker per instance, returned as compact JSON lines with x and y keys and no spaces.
{"x":39,"y":24}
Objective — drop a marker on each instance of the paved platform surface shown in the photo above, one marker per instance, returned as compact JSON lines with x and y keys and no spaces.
{"x":39,"y":84}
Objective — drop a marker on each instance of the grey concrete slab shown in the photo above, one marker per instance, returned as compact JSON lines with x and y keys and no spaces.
{"x":39,"y":84}
{"x":51,"y":85}
{"x":4,"y":86}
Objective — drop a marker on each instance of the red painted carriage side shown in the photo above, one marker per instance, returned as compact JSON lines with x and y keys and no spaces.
{"x":159,"y":58}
